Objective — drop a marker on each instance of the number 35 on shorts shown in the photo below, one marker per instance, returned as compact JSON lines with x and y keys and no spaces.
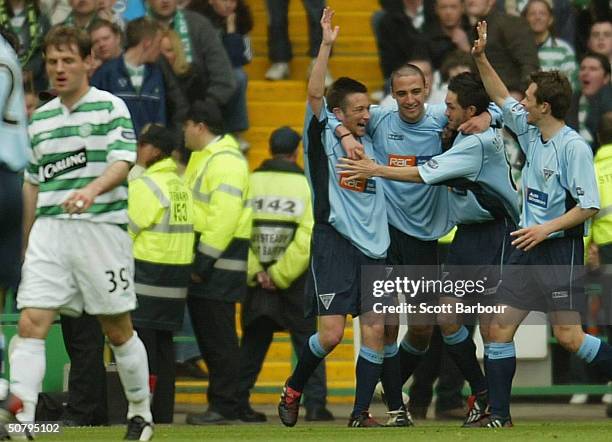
{"x":118,"y":279}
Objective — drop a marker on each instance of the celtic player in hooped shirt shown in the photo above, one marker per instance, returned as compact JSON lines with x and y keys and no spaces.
{"x":79,"y":255}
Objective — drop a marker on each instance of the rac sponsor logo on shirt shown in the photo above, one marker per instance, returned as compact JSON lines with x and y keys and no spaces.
{"x":395,"y":160}
{"x":537,"y":198}
{"x":357,"y":185}
{"x":71,"y":161}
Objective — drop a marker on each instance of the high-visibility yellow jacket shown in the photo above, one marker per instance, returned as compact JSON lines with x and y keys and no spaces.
{"x":218,"y":177}
{"x":602,"y":222}
{"x":160,"y":210}
{"x":281,"y":201}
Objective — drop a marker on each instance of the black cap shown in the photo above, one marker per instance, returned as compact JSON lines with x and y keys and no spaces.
{"x":209,"y":113}
{"x":284,"y":140}
{"x":158,"y":136}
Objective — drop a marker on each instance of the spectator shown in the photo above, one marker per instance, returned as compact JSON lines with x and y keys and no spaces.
{"x":600,"y":38}
{"x":450,"y":32}
{"x":399,"y":39}
{"x":56,"y":10}
{"x":29,"y":24}
{"x":161,"y":226}
{"x":563,"y":11}
{"x":107,"y":11}
{"x":279,"y":46}
{"x":589,"y":12}
{"x":31,"y":96}
{"x":234,"y":21}
{"x":217,"y":174}
{"x":83,"y":14}
{"x":277,"y":272}
{"x":553,"y":53}
{"x":148,"y":86}
{"x":106,"y":42}
{"x":511,"y":48}
{"x":212,"y":79}
{"x":595,"y":98}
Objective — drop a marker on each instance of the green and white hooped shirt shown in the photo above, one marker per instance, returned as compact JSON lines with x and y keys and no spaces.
{"x":71,"y":148}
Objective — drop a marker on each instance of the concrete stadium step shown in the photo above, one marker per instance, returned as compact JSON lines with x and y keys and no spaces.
{"x":338,"y":5}
{"x":286,"y":90}
{"x":345,"y":45}
{"x":289,"y":113}
{"x":336,"y":370}
{"x":353,"y":23}
{"x":362,"y":68}
{"x":193,"y":392}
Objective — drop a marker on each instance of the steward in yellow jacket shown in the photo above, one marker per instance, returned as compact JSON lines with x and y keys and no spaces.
{"x":161,"y":225}
{"x":218,"y":176}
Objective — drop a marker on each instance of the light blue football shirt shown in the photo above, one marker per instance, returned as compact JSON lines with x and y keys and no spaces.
{"x":356,"y":208}
{"x":558,"y":173}
{"x":15,"y":149}
{"x":477,"y":169}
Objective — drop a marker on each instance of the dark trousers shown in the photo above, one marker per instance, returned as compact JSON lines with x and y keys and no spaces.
{"x":160,"y":353}
{"x":437,"y":364}
{"x":214,"y":326}
{"x":279,"y":46}
{"x":256,"y":339}
{"x":84,"y":343}
{"x":11,"y":210}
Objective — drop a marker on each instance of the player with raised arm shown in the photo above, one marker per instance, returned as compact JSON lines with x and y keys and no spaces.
{"x":560,"y":195}
{"x":350,"y":231}
{"x":484,"y":205}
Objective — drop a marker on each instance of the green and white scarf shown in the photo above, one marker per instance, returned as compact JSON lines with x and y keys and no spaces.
{"x":34,"y":31}
{"x":179,"y":24}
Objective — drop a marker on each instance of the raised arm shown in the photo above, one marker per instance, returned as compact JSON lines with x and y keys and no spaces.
{"x":495,"y":87}
{"x":316,"y":84}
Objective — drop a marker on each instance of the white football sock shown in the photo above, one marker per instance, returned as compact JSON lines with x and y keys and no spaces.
{"x":133,"y":368}
{"x":27,"y":360}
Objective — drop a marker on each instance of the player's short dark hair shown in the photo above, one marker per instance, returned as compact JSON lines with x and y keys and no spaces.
{"x":65,"y":36}
{"x":553,"y":88}
{"x":100,"y":23}
{"x":602,"y":59}
{"x":406,"y":70}
{"x":605,"y":128}
{"x":342,"y":88}
{"x":139,"y":29}
{"x":470,"y":91}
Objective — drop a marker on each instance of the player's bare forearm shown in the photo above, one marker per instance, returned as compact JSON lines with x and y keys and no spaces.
{"x":113,"y":176}
{"x":410,"y":173}
{"x":529,"y":237}
{"x":82,"y":199}
{"x":366,"y":168}
{"x":30,"y":198}
{"x":497,"y":90}
{"x":316,"y":83}
{"x":572,"y":218}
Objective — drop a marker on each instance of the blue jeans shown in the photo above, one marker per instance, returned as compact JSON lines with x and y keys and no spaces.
{"x":279,"y":46}
{"x":235,"y":111}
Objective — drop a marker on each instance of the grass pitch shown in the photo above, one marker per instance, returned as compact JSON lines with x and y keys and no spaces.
{"x":585,"y":431}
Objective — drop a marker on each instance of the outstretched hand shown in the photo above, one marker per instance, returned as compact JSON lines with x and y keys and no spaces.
{"x":363,"y":168}
{"x":481,"y":42}
{"x":329,"y":34}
